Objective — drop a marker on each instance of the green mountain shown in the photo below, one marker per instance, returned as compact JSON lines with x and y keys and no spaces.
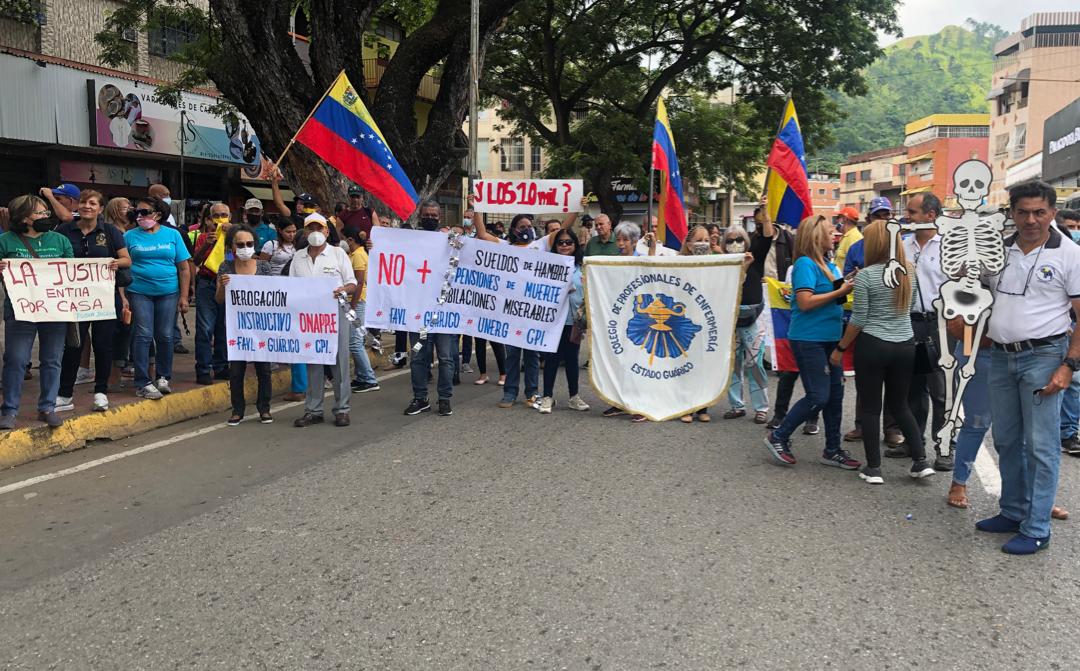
{"x":947,"y":72}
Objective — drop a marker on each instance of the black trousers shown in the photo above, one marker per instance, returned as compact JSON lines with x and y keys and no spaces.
{"x":481,"y":355}
{"x":567,"y":354}
{"x":879,"y":363}
{"x":401,"y":341}
{"x":785,"y":386}
{"x":926,"y":395}
{"x":237,"y":370}
{"x":101,"y":339}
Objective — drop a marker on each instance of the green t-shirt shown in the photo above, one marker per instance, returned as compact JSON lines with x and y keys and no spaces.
{"x":48,"y":245}
{"x":594,"y":247}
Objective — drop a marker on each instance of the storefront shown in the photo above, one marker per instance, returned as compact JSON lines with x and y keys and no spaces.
{"x":101,"y":129}
{"x":1061,"y":151}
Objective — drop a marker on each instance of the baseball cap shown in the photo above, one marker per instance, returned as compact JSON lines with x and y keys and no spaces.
{"x":355,"y":191}
{"x":315,"y":218}
{"x":253,"y":204}
{"x":849,"y":212}
{"x":69,"y":190}
{"x":307,"y":198}
{"x":880,"y":203}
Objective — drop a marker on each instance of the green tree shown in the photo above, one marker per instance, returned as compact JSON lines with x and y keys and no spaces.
{"x":244,"y":50}
{"x":583,"y":77}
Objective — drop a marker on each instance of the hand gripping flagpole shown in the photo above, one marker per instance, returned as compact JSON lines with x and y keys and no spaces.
{"x":308,"y":118}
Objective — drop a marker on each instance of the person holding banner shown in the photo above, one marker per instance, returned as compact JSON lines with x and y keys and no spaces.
{"x":160,"y":281}
{"x":29,"y":237}
{"x":92,"y":238}
{"x":241,"y":241}
{"x":816,"y":323}
{"x":320,"y":259}
{"x":566,"y":243}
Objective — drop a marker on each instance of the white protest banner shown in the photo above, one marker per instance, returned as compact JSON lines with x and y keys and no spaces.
{"x":662,"y":330}
{"x":281,"y":319}
{"x":528,"y":196}
{"x":61,"y":290}
{"x":500,"y":293}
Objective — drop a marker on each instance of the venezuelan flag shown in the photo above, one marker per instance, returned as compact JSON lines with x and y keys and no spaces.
{"x":788,"y":184}
{"x":779,"y":297}
{"x":671,"y":218}
{"x":342,"y":132}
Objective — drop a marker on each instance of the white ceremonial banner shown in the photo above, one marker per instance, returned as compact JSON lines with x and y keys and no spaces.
{"x":281,"y":319}
{"x":528,"y":196}
{"x":662,"y":330}
{"x":500,"y":293}
{"x":61,"y":290}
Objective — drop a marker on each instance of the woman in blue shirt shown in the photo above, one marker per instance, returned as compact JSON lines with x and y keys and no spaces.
{"x":566,"y":243}
{"x":159,"y":272}
{"x":816,"y":324}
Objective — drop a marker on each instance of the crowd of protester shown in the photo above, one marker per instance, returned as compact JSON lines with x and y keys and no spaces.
{"x":1023,"y":387}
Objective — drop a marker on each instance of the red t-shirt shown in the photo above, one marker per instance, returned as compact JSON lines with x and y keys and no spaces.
{"x":357,"y":219}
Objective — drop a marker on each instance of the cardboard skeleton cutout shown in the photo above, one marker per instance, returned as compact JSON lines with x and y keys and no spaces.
{"x":972,"y":246}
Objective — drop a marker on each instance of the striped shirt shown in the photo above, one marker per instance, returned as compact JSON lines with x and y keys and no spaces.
{"x":874,"y":309}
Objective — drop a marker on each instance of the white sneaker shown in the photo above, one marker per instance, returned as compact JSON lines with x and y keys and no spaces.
{"x":101,"y":402}
{"x":149,"y":391}
{"x":64,"y":403}
{"x":84,"y":375}
{"x":545,"y":405}
{"x":576,"y":403}
{"x":163,"y":386}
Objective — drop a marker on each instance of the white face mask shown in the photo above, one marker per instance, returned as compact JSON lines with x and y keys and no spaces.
{"x":245,"y":253}
{"x":316,"y":238}
{"x":167,"y":200}
{"x":736,"y":247}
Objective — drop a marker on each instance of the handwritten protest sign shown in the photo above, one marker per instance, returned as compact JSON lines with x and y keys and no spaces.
{"x":497,"y":292}
{"x":285,"y":319}
{"x":528,"y":196}
{"x":61,"y":290}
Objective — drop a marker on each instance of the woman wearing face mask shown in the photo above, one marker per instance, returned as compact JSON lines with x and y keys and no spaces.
{"x":749,"y":333}
{"x":92,"y":238}
{"x":566,"y":244}
{"x":816,"y":323}
{"x":30,"y":236}
{"x":240,"y":240}
{"x":160,"y":281}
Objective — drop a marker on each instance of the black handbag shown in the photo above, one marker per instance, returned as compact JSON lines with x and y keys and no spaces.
{"x":927,"y":358}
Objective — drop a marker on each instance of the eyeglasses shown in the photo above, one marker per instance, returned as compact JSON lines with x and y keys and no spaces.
{"x":1012,"y":290}
{"x":143,"y":212}
{"x":565,"y":241}
{"x":43,"y":213}
{"x":246,"y":243}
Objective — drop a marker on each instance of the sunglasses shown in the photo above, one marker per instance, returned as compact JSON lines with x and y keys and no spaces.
{"x":143,"y":212}
{"x":565,"y":241}
{"x":246,"y":243}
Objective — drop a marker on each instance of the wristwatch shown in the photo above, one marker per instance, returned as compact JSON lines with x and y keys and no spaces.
{"x":844,"y":349}
{"x":1074,"y":364}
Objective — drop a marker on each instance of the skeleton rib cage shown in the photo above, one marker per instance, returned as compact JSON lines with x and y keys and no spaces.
{"x":976,"y":249}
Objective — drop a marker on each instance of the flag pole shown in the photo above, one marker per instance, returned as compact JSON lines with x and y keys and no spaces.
{"x":310,"y":114}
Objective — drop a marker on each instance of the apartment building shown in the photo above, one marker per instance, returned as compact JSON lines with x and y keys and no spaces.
{"x":866,"y":176}
{"x":935,"y":145}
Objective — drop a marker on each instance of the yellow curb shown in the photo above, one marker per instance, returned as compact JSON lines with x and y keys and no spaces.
{"x":20,"y":446}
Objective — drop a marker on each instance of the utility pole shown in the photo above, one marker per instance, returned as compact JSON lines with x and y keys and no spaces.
{"x":474,"y":88}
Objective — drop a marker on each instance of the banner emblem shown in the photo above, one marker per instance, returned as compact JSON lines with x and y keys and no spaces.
{"x":660,"y":328}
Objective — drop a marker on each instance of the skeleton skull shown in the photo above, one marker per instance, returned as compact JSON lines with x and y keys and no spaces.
{"x":971,"y":182}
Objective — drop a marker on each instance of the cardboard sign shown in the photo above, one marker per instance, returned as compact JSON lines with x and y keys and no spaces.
{"x":500,"y":293}
{"x":528,"y":196}
{"x":61,"y":290}
{"x":282,"y":319}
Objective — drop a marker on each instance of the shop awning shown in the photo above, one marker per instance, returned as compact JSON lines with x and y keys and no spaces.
{"x":918,"y":189}
{"x":920,"y":157}
{"x":266,"y":195}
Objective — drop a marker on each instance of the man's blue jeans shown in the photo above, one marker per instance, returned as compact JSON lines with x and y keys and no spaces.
{"x":514,"y":358}
{"x":18,"y":348}
{"x":823,"y":384}
{"x":153,"y":318}
{"x":976,"y":414}
{"x":1070,"y":408}
{"x":211,"y":355}
{"x":1026,"y":433}
{"x":364,"y":372}
{"x":445,"y":345}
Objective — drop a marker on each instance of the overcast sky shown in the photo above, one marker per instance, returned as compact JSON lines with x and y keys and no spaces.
{"x":922,"y":17}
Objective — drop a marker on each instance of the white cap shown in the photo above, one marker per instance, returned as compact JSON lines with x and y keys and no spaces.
{"x":253,"y":204}
{"x":315,"y":216}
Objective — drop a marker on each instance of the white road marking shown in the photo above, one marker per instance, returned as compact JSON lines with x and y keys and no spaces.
{"x":987,"y":469}
{"x":30,"y":482}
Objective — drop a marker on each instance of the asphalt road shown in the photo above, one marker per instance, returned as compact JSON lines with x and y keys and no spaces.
{"x":505,"y":539}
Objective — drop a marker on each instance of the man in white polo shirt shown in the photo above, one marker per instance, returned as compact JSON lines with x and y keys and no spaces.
{"x":320,"y":259}
{"x":1034,"y":356}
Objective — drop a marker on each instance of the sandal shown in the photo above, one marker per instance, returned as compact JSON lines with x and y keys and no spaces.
{"x":760,"y":417}
{"x":734,"y":414}
{"x":703,"y":417}
{"x":957,"y":496}
{"x":686,"y":419}
{"x":1059,"y":513}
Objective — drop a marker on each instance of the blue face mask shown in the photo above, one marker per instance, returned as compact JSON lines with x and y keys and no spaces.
{"x":1075,"y":235}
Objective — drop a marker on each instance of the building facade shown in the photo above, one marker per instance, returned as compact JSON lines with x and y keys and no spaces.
{"x":935,"y":145}
{"x":1036,"y":71}
{"x":1060,"y":157}
{"x":866,"y":176}
{"x":825,"y":193}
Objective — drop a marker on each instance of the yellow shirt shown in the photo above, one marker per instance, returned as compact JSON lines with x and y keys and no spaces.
{"x":849,"y":239}
{"x":359,"y":260}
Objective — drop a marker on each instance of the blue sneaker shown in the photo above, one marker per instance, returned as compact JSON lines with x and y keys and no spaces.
{"x":780,"y":451}
{"x":998,"y":524}
{"x":1025,"y":545}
